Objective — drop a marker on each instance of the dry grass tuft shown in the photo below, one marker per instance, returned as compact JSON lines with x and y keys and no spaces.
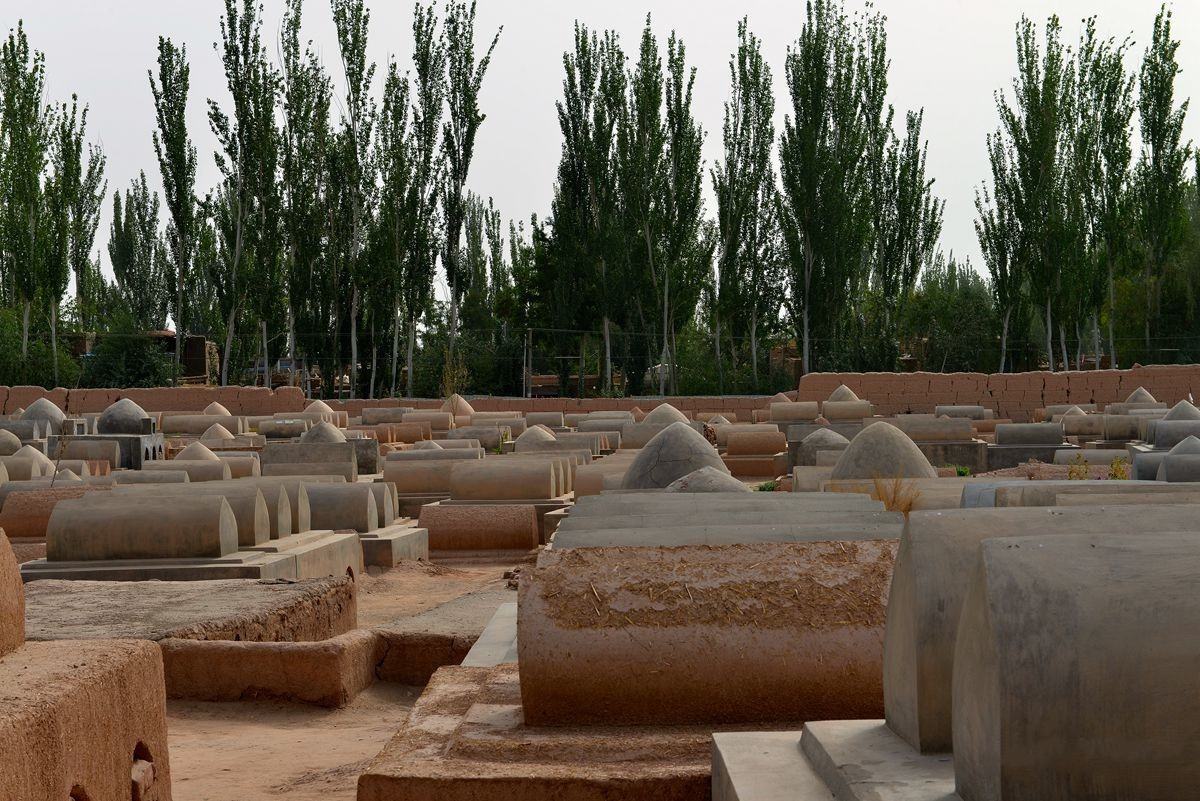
{"x":897,"y":494}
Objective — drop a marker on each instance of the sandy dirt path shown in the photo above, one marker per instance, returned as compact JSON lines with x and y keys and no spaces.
{"x":263,"y":751}
{"x":255,"y":751}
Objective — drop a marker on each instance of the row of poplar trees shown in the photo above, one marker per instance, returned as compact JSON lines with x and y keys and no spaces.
{"x":331,"y":214}
{"x":1072,"y":211}
{"x":818,"y":230}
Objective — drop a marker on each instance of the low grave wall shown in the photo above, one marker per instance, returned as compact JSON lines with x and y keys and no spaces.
{"x":1014,"y":396}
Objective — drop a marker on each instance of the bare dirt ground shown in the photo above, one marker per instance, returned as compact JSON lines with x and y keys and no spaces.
{"x":263,"y":751}
{"x":414,"y":587}
{"x":252,"y":751}
{"x":1037,"y":471}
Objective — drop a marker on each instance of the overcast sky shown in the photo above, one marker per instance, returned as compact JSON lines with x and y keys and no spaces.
{"x":948,"y":56}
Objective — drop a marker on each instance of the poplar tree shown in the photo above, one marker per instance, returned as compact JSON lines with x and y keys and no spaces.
{"x":1105,"y":153}
{"x":823,"y":217}
{"x":686,"y":246}
{"x":138,"y":257}
{"x":464,"y":80}
{"x":1034,"y":128}
{"x":1160,"y":180}
{"x":394,"y":233}
{"x":428,"y":101}
{"x":744,"y":186}
{"x":75,"y":194}
{"x":177,"y":165}
{"x":25,"y":130}
{"x":232,"y":206}
{"x":352,"y":21}
{"x":306,"y":93}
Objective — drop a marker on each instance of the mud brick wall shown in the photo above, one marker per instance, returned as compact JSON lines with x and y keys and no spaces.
{"x":738,"y":404}
{"x":239,"y":400}
{"x":260,"y":401}
{"x":1010,"y":395}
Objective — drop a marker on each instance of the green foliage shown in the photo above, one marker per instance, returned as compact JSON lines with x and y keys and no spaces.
{"x":961,"y":470}
{"x":128,"y":359}
{"x":949,"y":321}
{"x":767,"y":486}
{"x":36,"y":368}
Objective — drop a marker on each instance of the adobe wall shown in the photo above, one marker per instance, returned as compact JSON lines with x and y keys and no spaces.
{"x":260,"y":401}
{"x":1011,"y":395}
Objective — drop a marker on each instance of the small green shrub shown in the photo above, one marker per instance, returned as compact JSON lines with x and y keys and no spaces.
{"x":127,"y":360}
{"x":767,"y":486}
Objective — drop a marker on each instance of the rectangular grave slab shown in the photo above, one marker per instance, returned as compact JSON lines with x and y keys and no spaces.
{"x":390,"y":545}
{"x":465,"y":741}
{"x":135,"y":449}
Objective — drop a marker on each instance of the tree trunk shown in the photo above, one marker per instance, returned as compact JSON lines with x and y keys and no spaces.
{"x":1004,"y":338}
{"x":28,"y":306}
{"x":1149,"y":303}
{"x":1112,"y":313}
{"x":662,"y":379}
{"x":374,"y":360}
{"x":720,"y":363}
{"x":229,"y":325}
{"x":353,"y":341}
{"x":1096,"y":337}
{"x":582,"y":348}
{"x":54,"y":339}
{"x":672,"y":362}
{"x":412,"y":343}
{"x":754,"y":349}
{"x":805,"y":364}
{"x":1049,"y":337}
{"x":266,"y":357}
{"x":179,"y":271}
{"x":1062,"y":344}
{"x":453,"y":323}
{"x":395,"y":346}
{"x":608,"y":384}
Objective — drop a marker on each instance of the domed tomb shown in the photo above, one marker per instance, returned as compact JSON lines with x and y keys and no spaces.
{"x":671,"y":454}
{"x":457,"y":405}
{"x":46,"y":412}
{"x":215,"y":433}
{"x":882,"y":451}
{"x":843,"y":393}
{"x":122,"y":417}
{"x":1184,"y":410}
{"x":10,"y":443}
{"x":707,"y":479}
{"x":665,"y":414}
{"x":323,"y":432}
{"x":1140,"y":395}
{"x":197,"y":452}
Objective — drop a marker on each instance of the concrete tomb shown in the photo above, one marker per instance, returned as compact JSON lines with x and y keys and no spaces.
{"x":323,"y":432}
{"x":218,"y":409}
{"x":675,"y":452}
{"x":10,"y":443}
{"x":707,"y":479}
{"x":756,"y":454}
{"x":842,"y":393}
{"x":53,"y":691}
{"x":582,"y":611}
{"x":665,"y":414}
{"x":821,"y":440}
{"x":884,"y":452}
{"x":47,"y":414}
